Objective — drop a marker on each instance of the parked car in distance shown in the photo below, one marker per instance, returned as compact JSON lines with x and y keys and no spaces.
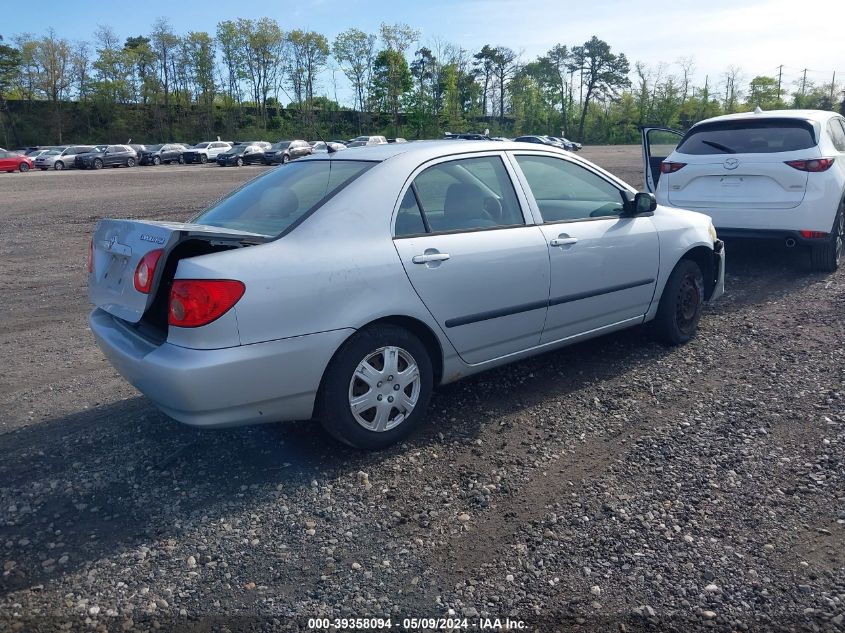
{"x":35,"y":153}
{"x":398,"y":139}
{"x":205,"y":151}
{"x":360,"y":141}
{"x":538,"y":140}
{"x":13,"y":161}
{"x":466,"y":136}
{"x":270,"y":304}
{"x":62,"y":157}
{"x":107,"y":156}
{"x":773,"y":175}
{"x":163,"y":153}
{"x":283,"y":152}
{"x":571,"y":146}
{"x":339,"y":142}
{"x":242,"y":154}
{"x":321,"y":147}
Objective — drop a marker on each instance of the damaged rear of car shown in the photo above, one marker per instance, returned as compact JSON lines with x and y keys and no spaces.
{"x":167,"y":297}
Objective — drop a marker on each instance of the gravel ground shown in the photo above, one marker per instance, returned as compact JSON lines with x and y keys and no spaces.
{"x":614,"y":485}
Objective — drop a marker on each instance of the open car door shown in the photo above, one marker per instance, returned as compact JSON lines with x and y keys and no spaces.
{"x":658,"y":143}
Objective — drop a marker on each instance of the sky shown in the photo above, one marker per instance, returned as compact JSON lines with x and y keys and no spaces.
{"x":755,"y":35}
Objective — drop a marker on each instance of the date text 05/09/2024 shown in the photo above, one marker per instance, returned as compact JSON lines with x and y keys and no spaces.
{"x":412,"y":624}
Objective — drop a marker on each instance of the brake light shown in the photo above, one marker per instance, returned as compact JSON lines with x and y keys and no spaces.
{"x":91,"y":255}
{"x":813,"y":165}
{"x":197,"y":302}
{"x":146,"y":270}
{"x":671,"y":168}
{"x":813,"y":235}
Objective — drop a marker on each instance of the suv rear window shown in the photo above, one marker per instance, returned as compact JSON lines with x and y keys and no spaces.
{"x":764,"y":136}
{"x":274,"y":203}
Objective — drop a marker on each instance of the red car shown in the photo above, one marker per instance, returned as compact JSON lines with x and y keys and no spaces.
{"x":12,"y":161}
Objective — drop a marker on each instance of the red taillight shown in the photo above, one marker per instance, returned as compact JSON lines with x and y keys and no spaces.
{"x":196,"y":302}
{"x":813,"y":235}
{"x":146,"y":270}
{"x":813,"y":165}
{"x":671,"y":168}
{"x":91,"y":256}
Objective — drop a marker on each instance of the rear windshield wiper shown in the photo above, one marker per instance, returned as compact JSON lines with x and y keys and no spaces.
{"x":719,"y":146}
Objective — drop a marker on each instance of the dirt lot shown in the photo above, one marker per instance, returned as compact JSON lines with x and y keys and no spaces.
{"x":615,"y":485}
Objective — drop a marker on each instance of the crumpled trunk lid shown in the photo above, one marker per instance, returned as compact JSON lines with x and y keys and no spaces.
{"x":119,"y":245}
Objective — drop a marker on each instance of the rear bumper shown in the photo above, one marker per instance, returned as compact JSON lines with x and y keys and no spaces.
{"x":234,"y":386}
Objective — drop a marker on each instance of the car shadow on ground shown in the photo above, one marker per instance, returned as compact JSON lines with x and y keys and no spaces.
{"x":106,"y":481}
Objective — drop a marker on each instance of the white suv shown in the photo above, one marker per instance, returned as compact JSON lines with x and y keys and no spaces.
{"x":206,"y":151}
{"x":759,"y":175}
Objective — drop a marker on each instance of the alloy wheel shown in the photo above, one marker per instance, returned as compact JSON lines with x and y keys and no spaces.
{"x":384,"y":389}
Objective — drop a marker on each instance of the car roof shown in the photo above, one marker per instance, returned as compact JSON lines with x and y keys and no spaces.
{"x":428,"y":150}
{"x":818,"y":116}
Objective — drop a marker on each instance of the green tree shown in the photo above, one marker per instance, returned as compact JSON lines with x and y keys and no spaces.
{"x":391,"y":80}
{"x":10,"y":66}
{"x":53,"y":57}
{"x":604,"y":73}
{"x":763,"y":92}
{"x":308,"y":52}
{"x":355,"y":52}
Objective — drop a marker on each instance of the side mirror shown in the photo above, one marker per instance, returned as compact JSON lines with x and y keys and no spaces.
{"x":642,"y":203}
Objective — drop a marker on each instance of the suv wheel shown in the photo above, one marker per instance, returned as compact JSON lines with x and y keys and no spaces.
{"x":203,"y":159}
{"x":58,"y":165}
{"x":130,"y":162}
{"x":376,"y":389}
{"x":98,"y":164}
{"x":156,"y":161}
{"x":827,"y":257}
{"x":679,"y":310}
{"x":239,"y":162}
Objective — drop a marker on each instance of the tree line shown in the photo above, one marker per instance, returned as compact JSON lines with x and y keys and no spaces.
{"x":253,"y":78}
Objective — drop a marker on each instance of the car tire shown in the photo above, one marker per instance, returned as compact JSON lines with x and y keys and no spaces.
{"x":181,"y":160}
{"x":681,"y":303}
{"x":239,"y":162}
{"x":130,"y":162}
{"x":285,"y":159}
{"x":156,"y":161}
{"x":98,"y":164}
{"x":203,"y":159}
{"x":23,"y":167}
{"x":343,"y":382}
{"x":58,"y":165}
{"x":827,"y":257}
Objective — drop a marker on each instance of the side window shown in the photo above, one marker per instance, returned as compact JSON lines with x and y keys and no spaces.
{"x":565,"y":191}
{"x":409,"y":218}
{"x":837,"y":133}
{"x":466,"y":194}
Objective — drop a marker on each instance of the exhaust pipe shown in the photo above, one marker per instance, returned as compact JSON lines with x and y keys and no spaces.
{"x":790,"y":242}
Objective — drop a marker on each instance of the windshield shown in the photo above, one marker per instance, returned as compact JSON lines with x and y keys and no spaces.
{"x":53,"y":152}
{"x":280,"y":145}
{"x":273,"y":203}
{"x":766,"y":136}
{"x":153,"y":148}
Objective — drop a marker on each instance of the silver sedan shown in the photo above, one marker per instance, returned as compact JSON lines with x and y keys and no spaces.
{"x":347,"y":286}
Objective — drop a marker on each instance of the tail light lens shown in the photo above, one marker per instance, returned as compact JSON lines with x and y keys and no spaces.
{"x":671,"y":168}
{"x":91,"y":256}
{"x":198,"y":302}
{"x":813,"y":235}
{"x":146,"y":270}
{"x":813,"y":165}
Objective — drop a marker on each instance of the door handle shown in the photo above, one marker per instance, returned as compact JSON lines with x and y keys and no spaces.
{"x":430,"y":257}
{"x":563,"y":241}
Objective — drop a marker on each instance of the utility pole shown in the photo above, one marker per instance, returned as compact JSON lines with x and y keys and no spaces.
{"x":803,"y":83}
{"x":780,"y":77}
{"x":832,"y":86}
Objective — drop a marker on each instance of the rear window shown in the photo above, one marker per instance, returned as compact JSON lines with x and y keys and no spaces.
{"x":765,"y":136}
{"x":277,"y":201}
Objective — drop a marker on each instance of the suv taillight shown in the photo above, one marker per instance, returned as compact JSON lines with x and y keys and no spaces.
{"x":671,"y":168}
{"x":146,"y":270}
{"x":198,"y":302}
{"x":812,"y":165}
